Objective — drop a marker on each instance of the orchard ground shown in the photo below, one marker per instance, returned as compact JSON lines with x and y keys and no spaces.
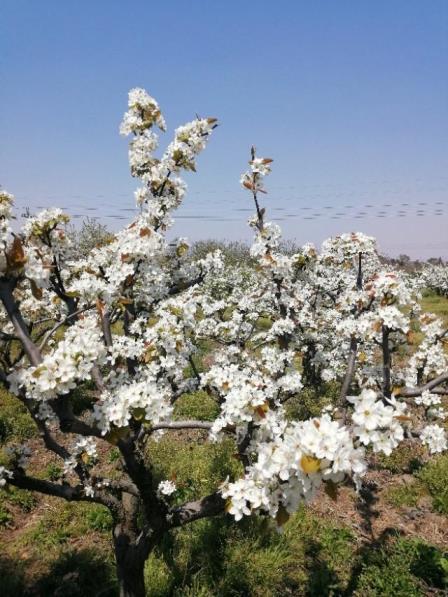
{"x":390,"y":540}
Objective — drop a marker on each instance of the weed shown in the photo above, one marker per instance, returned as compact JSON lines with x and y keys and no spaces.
{"x":407,"y":494}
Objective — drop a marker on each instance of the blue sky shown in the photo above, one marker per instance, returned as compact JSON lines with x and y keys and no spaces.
{"x":348,"y":97}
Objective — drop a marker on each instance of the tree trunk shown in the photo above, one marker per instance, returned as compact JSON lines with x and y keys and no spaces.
{"x":130,"y":562}
{"x":131,"y":550}
{"x":133,"y":544}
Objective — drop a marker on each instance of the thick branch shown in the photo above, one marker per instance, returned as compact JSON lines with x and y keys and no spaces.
{"x":350,"y":368}
{"x":105,"y":325}
{"x":412,"y":392}
{"x":45,"y":434}
{"x":359,"y":276}
{"x":68,"y":423}
{"x":212,"y":505}
{"x":6,"y":295}
{"x":387,"y":362}
{"x":67,"y":492}
{"x":177,"y":288}
{"x":182,"y":425}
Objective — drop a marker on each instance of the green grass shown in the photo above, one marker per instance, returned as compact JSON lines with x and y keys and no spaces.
{"x":12,"y":496}
{"x":430,"y":479}
{"x":309,"y":402}
{"x":407,"y":458}
{"x":312,"y":557}
{"x":197,"y":468}
{"x":408,"y":494}
{"x":434,"y":303}
{"x":215,"y":557}
{"x":98,"y":518}
{"x":53,"y":472}
{"x":251,"y":558}
{"x":15,"y":422}
{"x":196,"y":405}
{"x":65,"y":521}
{"x":435,"y":478}
{"x":402,"y":567}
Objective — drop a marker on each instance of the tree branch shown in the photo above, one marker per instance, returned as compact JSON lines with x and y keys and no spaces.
{"x":68,"y":423}
{"x":60,"y":324}
{"x":413,"y":392}
{"x":387,"y":361}
{"x":211,"y":505}
{"x":7,"y":286}
{"x":350,"y":368}
{"x":62,"y":490}
{"x":182,"y":425}
{"x":105,"y":325}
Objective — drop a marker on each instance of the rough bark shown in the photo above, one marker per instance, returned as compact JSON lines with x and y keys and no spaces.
{"x":130,"y":564}
{"x":131,"y":549}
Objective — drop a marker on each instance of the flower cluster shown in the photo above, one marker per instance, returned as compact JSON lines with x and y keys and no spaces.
{"x":253,"y":178}
{"x":435,"y":277}
{"x":142,"y":398}
{"x":290,"y":468}
{"x":435,"y":437}
{"x":376,"y":422}
{"x":6,"y":203}
{"x":166,"y":488}
{"x":63,"y":368}
{"x":83,"y":449}
{"x":143,"y":113}
{"x":427,"y":399}
{"x":430,"y":358}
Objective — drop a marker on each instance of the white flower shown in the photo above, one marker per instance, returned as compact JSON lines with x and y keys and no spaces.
{"x":166,"y":487}
{"x":261,"y":166}
{"x":5,"y":474}
{"x":435,"y":438}
{"x":428,"y":399}
{"x":89,"y":491}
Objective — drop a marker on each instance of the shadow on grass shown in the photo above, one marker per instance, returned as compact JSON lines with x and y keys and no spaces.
{"x":217,"y":557}
{"x":74,"y":574}
{"x":11,"y":577}
{"x":251,"y":559}
{"x":398,"y":565}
